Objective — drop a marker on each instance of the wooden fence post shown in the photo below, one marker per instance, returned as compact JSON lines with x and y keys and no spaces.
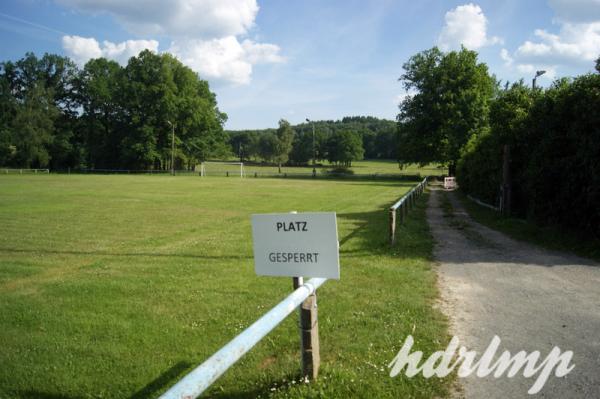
{"x":309,"y":324}
{"x":309,"y":334}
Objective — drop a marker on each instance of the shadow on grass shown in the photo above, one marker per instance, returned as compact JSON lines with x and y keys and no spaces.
{"x":354,"y":232}
{"x":162,"y":382}
{"x":370,"y":235}
{"x":375,"y":177}
{"x":165,"y":380}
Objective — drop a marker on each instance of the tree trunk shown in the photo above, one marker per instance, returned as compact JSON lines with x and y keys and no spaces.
{"x":279,"y":164}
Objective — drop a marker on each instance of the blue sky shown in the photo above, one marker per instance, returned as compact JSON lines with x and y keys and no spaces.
{"x":268,"y":60}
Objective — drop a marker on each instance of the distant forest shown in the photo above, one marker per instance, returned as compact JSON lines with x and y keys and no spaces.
{"x":340,"y":141}
{"x":54,"y":114}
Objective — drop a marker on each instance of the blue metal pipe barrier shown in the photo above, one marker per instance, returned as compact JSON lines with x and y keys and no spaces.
{"x":193,"y":384}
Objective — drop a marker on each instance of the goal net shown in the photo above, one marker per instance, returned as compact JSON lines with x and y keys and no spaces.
{"x":222,"y":169}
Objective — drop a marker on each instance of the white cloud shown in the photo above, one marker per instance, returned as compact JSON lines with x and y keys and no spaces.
{"x":82,"y":49}
{"x":575,"y":44}
{"x":574,"y":47}
{"x":206,"y":35}
{"x":183,"y":18}
{"x":226,"y":58}
{"x":466,"y":25}
{"x":504,"y":54}
{"x":260,"y":53}
{"x":530,"y":69}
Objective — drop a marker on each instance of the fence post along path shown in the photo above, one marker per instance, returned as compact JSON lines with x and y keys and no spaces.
{"x":293,"y":245}
{"x":407,"y":200}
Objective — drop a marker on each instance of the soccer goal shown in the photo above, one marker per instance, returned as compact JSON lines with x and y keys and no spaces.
{"x":13,"y":171}
{"x":213,"y":168}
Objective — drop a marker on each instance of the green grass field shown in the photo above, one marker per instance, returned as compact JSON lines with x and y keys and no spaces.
{"x":116,"y":286}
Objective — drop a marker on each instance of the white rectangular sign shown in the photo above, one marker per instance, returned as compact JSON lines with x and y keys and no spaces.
{"x":449,"y":183}
{"x":296,"y":244}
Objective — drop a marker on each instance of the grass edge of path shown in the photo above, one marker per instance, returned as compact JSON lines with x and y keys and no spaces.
{"x":548,"y":237}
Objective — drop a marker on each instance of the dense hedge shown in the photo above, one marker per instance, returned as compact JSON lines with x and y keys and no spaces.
{"x":555,"y":150}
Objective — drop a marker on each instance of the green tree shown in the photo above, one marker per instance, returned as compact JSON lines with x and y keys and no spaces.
{"x":244,"y":144}
{"x":151,"y":91}
{"x":33,"y":128}
{"x":106,"y":116}
{"x":450,"y":105}
{"x":99,"y":85}
{"x":480,"y":166}
{"x":8,"y":107}
{"x":285,"y":138}
{"x":267,"y":146}
{"x":386,"y":144}
{"x":51,"y":137}
{"x":148,"y":96}
{"x":343,"y":147}
{"x":302,"y":147}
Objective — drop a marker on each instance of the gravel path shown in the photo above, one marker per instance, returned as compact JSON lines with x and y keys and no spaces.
{"x":533,"y":299}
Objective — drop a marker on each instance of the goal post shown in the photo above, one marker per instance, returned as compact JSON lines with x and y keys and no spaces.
{"x":215,"y":168}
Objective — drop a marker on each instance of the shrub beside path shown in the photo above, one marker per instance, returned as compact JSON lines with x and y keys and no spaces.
{"x":532,"y":298}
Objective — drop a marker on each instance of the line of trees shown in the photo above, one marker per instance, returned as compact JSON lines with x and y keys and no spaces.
{"x":339,"y":142}
{"x":462,"y":117}
{"x":554,"y":141}
{"x":54,"y":114}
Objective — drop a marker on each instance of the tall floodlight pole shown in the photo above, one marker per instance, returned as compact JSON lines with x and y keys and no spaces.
{"x":537,"y":75}
{"x":314,"y":148}
{"x":172,"y":148}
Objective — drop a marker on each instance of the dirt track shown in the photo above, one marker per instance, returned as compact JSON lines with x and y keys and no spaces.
{"x":533,"y":299}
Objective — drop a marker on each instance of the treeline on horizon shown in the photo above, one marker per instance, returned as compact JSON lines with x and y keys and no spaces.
{"x":56,"y":115}
{"x":339,"y":142}
{"x":461,"y":116}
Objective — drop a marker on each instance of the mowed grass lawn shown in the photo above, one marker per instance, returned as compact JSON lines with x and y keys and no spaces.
{"x":116,"y":286}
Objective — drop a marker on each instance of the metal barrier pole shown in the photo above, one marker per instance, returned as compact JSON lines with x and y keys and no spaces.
{"x":193,"y":384}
